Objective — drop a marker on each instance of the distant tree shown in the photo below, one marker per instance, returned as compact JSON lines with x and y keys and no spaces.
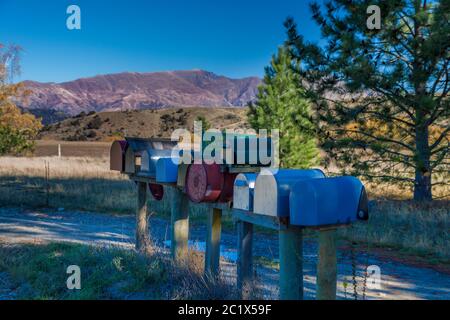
{"x":17,"y":129}
{"x":205,"y":123}
{"x":281,"y":104}
{"x":381,"y":96}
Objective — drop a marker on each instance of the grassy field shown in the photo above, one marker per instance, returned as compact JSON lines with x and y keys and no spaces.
{"x":86,"y":183}
{"x":38,"y":271}
{"x":49,"y":148}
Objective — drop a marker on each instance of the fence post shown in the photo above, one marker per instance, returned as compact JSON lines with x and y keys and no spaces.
{"x":143,"y":243}
{"x":179,"y":226}
{"x":291,"y":264}
{"x":327,"y":265}
{"x":244,"y":258}
{"x":212,"y":254}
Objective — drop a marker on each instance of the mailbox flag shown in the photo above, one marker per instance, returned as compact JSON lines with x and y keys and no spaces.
{"x":329,"y":201}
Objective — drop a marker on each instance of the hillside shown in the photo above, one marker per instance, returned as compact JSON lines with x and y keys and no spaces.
{"x":137,"y":91}
{"x":107,"y":126}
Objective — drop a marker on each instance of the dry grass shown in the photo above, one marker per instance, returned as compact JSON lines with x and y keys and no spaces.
{"x":80,"y":183}
{"x":38,"y":272}
{"x":49,"y":148}
{"x":420,"y":229}
{"x":85,"y":183}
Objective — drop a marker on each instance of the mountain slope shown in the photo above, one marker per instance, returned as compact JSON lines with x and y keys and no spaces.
{"x":107,"y":126}
{"x":137,"y":91}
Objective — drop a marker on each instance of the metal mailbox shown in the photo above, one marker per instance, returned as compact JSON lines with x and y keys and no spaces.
{"x":272,"y":189}
{"x":149,"y":159}
{"x":329,"y":201}
{"x":117,"y":155}
{"x":137,"y":148}
{"x":243,"y":190}
{"x":167,"y":169}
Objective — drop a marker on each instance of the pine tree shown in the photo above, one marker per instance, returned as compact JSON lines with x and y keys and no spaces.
{"x":381,"y":96}
{"x":281,"y":105}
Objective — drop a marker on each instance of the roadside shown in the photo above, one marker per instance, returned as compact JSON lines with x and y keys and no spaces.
{"x":399,"y":280}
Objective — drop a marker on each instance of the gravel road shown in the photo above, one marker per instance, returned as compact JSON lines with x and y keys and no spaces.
{"x":398,"y":280}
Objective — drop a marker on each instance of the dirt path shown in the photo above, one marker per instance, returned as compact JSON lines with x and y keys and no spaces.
{"x":398,"y":280}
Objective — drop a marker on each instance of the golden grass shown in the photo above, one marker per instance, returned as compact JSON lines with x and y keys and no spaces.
{"x":85,"y":183}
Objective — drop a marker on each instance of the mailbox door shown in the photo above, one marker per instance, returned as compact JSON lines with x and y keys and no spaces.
{"x":244,"y":185}
{"x":117,"y":155}
{"x":167,"y":170}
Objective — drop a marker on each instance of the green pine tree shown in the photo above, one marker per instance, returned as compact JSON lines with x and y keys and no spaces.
{"x":381,"y":96}
{"x":281,"y":104}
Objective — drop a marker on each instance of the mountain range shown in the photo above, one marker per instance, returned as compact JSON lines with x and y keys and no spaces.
{"x":137,"y":91}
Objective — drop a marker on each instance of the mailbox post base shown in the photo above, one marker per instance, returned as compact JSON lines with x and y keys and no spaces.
{"x":327,"y":265}
{"x":179,"y":226}
{"x":245,"y":258}
{"x":291,"y":264}
{"x":143,"y":243}
{"x":212,"y":254}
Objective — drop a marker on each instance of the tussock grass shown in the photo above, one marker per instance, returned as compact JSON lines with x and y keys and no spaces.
{"x":84,"y":183}
{"x":39,"y":272}
{"x":421,"y":229}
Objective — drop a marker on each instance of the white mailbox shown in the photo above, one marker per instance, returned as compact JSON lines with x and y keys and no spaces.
{"x":272,"y":189}
{"x":243,"y":189}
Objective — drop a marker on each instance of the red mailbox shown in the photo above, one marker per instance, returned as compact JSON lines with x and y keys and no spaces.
{"x":207,"y":183}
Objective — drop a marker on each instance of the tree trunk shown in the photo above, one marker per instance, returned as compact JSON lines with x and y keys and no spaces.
{"x":422,"y":182}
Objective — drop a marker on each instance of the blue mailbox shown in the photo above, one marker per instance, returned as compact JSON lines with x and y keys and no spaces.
{"x":329,"y":201}
{"x":272,"y":188}
{"x":167,"y":169}
{"x":243,"y":189}
{"x":150,"y":158}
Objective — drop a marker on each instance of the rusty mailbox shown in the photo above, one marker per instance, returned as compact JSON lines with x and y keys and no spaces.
{"x":117,"y":155}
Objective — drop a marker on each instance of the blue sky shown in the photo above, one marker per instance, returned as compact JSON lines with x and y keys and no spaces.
{"x":235,"y":38}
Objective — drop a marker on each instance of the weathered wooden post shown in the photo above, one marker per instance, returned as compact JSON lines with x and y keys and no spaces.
{"x":245,"y":257}
{"x":179,"y":226}
{"x":212,"y":254}
{"x":143,"y":243}
{"x":291,"y":263}
{"x":327,"y":265}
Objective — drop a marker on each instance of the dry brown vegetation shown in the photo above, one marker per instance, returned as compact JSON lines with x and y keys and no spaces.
{"x":108,"y":126}
{"x":85,"y":183}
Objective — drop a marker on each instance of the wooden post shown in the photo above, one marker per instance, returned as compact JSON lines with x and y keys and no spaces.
{"x":291,"y":264}
{"x":179,"y":226}
{"x":212,"y":254}
{"x":143,"y":243}
{"x":327,"y":265}
{"x":244,"y":258}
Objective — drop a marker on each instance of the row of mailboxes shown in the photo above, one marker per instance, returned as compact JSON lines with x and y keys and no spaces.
{"x":307,"y":197}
